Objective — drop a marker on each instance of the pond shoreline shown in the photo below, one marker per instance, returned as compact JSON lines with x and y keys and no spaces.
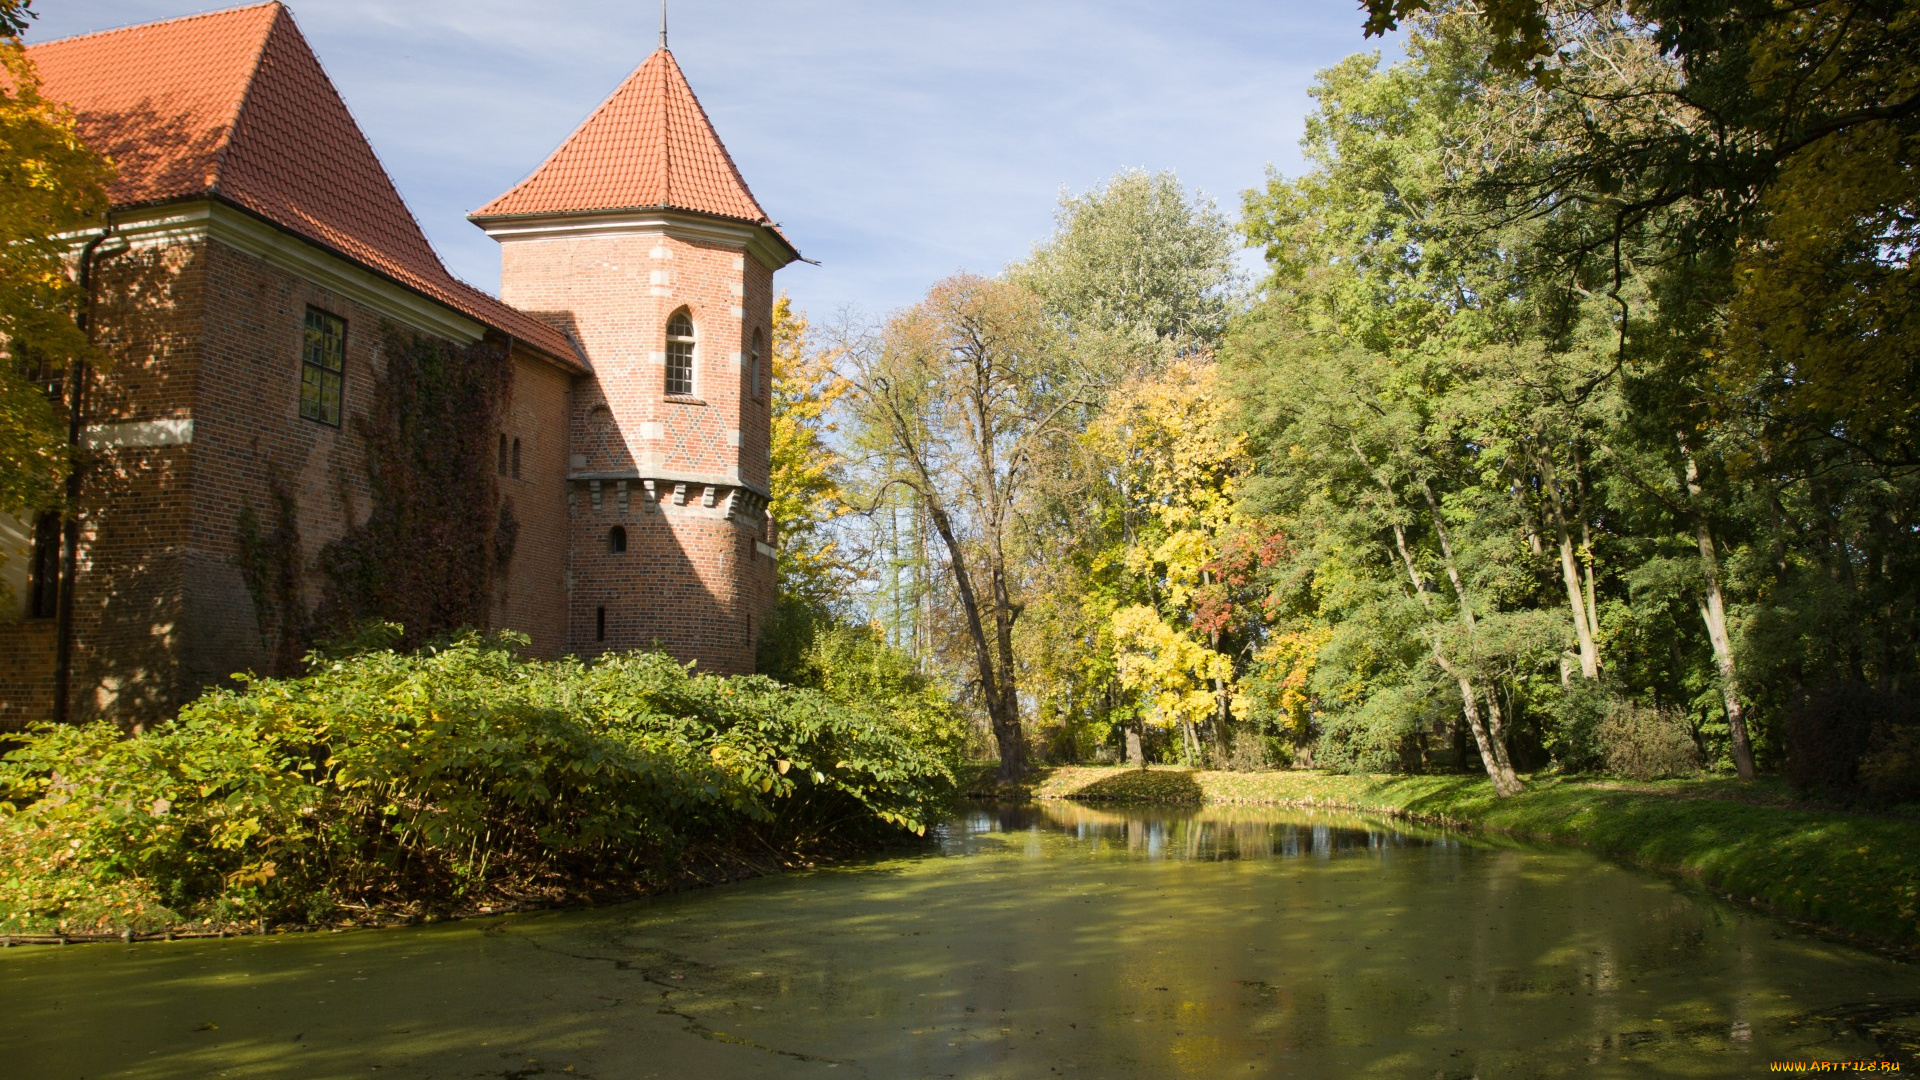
{"x":1855,"y":876}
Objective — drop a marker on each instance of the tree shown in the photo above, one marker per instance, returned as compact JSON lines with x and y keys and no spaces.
{"x":1137,"y":258}
{"x":958,"y":399}
{"x":1138,"y":272}
{"x":1756,"y":159}
{"x":807,"y":481}
{"x":14,"y":15}
{"x":51,"y":187}
{"x":1172,"y":468}
{"x":1427,"y":415}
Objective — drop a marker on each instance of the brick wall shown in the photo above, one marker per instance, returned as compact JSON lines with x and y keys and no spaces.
{"x":532,"y":593}
{"x":201,"y":332}
{"x":691,"y":579}
{"x":26,"y":673}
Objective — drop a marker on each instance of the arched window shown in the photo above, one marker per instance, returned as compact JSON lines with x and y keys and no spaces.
{"x":617,"y":540}
{"x":759,"y":359}
{"x":516,"y":457}
{"x":680,"y":353}
{"x":503,"y":454}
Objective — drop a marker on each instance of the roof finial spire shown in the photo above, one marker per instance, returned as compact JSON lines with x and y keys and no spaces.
{"x":663,"y":23}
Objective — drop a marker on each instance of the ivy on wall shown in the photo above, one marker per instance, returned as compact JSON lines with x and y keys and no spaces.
{"x":438,"y":535}
{"x":271,"y":564}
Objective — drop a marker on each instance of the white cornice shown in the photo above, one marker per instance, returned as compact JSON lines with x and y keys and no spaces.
{"x":758,"y":240}
{"x":210,"y":220}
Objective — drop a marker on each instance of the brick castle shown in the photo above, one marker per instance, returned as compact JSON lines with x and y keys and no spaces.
{"x":255,"y":251}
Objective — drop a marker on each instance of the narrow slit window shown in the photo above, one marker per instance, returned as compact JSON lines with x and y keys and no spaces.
{"x":758,"y":389}
{"x":680,"y":353}
{"x":617,"y":540}
{"x":516,"y":458}
{"x":323,"y":364}
{"x":600,"y":624}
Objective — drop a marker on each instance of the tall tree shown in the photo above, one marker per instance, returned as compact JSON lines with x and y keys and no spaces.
{"x":51,"y":187}
{"x":1137,"y":257}
{"x":807,"y":476}
{"x":1139,"y":272}
{"x":1173,"y":469}
{"x":961,"y":396}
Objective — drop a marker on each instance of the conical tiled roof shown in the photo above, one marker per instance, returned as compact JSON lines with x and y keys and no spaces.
{"x":235,"y":105}
{"x":648,"y":146}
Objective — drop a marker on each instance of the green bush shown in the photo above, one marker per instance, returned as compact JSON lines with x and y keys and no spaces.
{"x":853,"y":665}
{"x":1642,"y":743}
{"x":391,"y":781}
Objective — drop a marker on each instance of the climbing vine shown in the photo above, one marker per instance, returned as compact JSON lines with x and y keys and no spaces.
{"x":271,"y":564}
{"x":438,"y":534}
{"x":429,"y":553}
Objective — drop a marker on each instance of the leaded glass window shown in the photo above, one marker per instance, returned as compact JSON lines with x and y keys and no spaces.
{"x":323,"y":362}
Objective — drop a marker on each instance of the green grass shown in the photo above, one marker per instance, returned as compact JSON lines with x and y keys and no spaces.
{"x":1854,"y":874}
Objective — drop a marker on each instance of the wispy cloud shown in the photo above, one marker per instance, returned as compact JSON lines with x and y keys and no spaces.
{"x":897,"y":143}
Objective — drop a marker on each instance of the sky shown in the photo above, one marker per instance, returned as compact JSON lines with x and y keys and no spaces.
{"x":896,"y":143}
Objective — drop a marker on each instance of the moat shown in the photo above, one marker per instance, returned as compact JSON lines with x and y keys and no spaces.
{"x":1050,"y":940}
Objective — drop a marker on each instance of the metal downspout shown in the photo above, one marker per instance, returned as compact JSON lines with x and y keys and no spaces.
{"x":70,"y":532}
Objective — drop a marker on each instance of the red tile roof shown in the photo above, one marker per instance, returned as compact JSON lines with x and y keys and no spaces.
{"x":648,"y":146}
{"x":234,"y":105}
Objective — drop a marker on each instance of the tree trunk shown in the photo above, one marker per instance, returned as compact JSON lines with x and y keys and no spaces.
{"x":996,"y":687}
{"x":1222,"y":711}
{"x":1135,"y":755}
{"x":1713,"y":609}
{"x":1492,"y":754}
{"x":1491,"y":737}
{"x":1583,"y":622}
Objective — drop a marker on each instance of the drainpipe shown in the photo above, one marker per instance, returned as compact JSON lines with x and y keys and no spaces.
{"x":70,"y":533}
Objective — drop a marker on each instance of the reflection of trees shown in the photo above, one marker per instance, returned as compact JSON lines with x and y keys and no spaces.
{"x":1224,"y":832}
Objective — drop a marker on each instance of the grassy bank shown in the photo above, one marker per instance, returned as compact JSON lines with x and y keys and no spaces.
{"x":1855,"y":874}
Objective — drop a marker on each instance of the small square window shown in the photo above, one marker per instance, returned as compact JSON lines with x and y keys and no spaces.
{"x":323,"y":361}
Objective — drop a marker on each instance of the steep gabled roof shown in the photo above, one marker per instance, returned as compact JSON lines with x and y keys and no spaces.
{"x":648,"y":146}
{"x":234,"y":105}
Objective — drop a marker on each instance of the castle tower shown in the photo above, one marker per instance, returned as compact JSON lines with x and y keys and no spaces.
{"x":640,"y":239}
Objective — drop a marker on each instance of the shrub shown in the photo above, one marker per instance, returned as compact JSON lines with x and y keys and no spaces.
{"x":853,"y":665}
{"x":1253,"y":752}
{"x":1891,"y":772}
{"x":428,"y":780}
{"x":1574,"y":717}
{"x":1642,"y":743}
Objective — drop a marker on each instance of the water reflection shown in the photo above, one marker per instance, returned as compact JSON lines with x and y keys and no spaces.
{"x":1209,"y":833}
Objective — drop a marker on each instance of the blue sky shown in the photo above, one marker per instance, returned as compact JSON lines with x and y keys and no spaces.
{"x":895,"y":142}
